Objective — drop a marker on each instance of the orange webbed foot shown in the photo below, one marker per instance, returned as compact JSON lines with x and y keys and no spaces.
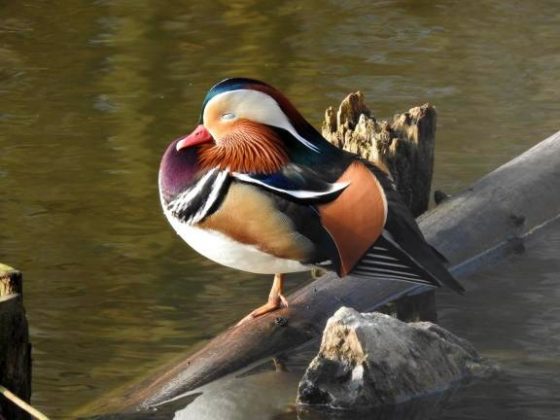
{"x":276,"y":300}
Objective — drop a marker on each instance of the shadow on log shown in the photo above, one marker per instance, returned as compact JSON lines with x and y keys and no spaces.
{"x":485,"y":222}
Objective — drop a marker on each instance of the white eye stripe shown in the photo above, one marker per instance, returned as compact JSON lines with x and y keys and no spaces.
{"x":255,"y":106}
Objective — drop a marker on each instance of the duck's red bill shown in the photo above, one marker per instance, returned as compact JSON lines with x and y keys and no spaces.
{"x":198,"y":136}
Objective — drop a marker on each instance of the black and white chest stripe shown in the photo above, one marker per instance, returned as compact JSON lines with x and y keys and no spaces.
{"x":201,"y":199}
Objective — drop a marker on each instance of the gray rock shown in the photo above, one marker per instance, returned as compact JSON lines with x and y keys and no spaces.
{"x":372,"y":360}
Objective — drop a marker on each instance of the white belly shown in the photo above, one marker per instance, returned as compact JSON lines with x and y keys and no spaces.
{"x":223,"y":250}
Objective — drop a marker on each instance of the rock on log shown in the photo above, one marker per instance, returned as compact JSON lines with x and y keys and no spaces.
{"x":480,"y":222}
{"x":15,"y":349}
{"x":372,"y":360}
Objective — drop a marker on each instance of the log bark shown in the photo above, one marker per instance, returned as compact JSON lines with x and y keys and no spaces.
{"x":15,"y":349}
{"x":484,"y":223}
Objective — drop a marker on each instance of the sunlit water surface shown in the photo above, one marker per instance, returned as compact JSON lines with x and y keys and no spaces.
{"x":92,"y":91}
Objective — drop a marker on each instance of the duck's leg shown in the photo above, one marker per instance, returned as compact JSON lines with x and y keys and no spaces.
{"x":276,"y":300}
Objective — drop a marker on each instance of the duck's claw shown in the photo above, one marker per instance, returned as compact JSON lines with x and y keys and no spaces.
{"x":278,"y":302}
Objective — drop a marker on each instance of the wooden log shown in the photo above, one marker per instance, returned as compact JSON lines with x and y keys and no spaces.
{"x":483,"y":223}
{"x":15,"y":349}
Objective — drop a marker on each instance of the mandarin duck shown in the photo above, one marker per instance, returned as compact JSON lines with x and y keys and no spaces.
{"x":255,"y":187}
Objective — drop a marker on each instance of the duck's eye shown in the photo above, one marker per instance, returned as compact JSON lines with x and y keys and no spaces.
{"x":228,"y":116}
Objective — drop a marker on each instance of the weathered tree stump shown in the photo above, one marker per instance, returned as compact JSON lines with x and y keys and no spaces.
{"x":15,"y":348}
{"x":405,"y":145}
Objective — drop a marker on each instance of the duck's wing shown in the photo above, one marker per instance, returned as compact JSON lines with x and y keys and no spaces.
{"x":401,"y":252}
{"x":358,"y":224}
{"x":293,"y":196}
{"x":296,"y":182}
{"x":342,"y":218}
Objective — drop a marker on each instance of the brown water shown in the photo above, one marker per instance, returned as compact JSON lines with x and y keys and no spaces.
{"x":92,"y":91}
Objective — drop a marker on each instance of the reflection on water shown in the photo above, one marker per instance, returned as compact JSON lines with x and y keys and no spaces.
{"x":91,"y":92}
